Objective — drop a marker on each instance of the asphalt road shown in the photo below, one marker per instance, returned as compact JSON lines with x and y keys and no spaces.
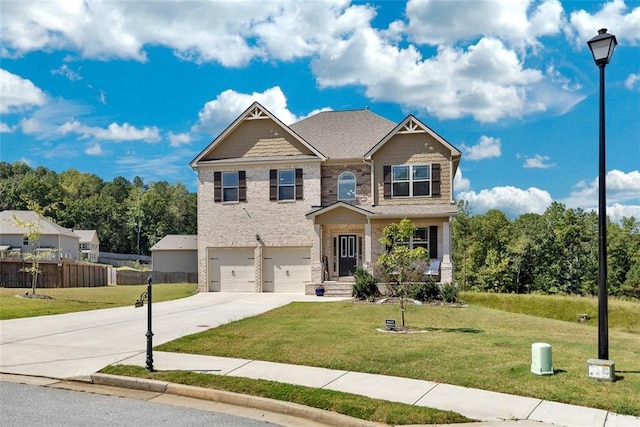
{"x":35,"y":406}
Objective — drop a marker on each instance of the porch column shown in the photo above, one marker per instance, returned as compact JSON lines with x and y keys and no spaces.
{"x":316,"y":255}
{"x":367,"y":247}
{"x":446,"y":268}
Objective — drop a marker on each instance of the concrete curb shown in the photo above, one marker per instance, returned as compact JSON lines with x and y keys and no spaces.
{"x":236,"y":399}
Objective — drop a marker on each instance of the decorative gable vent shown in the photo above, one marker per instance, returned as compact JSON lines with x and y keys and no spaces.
{"x":411,"y":127}
{"x":256,"y":113}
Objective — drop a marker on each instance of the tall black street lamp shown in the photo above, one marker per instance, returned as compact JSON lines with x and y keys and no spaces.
{"x":602,"y":47}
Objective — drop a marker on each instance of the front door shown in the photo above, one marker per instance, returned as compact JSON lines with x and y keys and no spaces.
{"x":346,"y":255}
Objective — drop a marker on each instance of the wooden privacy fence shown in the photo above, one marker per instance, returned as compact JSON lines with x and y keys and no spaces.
{"x":128,"y":277}
{"x":52,"y":275}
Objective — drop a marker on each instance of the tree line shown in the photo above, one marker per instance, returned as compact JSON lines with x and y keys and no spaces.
{"x":129,"y":217}
{"x":552,"y":253}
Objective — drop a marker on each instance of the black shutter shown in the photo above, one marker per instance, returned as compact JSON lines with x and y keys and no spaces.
{"x":433,"y":242}
{"x":242,"y":186}
{"x":273,"y":184}
{"x":435,"y":179}
{"x":386,"y":171}
{"x":217,"y":186}
{"x":299,"y":193}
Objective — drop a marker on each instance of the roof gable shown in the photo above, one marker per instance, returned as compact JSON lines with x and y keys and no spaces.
{"x":411,"y":125}
{"x":253,"y":141}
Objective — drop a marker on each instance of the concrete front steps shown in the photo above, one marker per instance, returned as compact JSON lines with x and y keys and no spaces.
{"x":332,"y":289}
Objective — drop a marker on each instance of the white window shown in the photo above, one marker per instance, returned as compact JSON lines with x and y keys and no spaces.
{"x":230,"y":183}
{"x":420,"y":238}
{"x":286,"y":184}
{"x":410,"y":181}
{"x":346,"y":186}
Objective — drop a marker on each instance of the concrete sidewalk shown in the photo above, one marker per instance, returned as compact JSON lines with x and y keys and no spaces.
{"x":481,"y":405}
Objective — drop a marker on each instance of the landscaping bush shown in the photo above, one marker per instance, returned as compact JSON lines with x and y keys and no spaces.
{"x":449,"y":292}
{"x":365,"y":286}
{"x":425,"y":291}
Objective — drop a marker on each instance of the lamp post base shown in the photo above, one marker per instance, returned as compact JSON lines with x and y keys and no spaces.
{"x":600,"y":369}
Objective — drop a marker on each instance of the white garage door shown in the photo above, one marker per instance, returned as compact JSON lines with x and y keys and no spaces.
{"x":232,"y":270}
{"x":286,"y":269}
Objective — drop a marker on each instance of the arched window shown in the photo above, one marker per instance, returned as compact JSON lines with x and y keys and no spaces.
{"x":346,"y":186}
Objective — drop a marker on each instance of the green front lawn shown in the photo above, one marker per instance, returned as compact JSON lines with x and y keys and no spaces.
{"x":476,"y":347}
{"x":70,"y":300}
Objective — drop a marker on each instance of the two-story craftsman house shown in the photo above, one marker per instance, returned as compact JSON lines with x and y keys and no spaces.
{"x":283,"y":208}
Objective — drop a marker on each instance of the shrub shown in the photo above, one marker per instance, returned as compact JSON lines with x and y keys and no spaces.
{"x":449,"y":292}
{"x":365,"y":286}
{"x":425,"y":291}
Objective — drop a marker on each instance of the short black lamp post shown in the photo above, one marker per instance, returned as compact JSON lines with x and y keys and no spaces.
{"x":602,"y":47}
{"x":146,"y":296}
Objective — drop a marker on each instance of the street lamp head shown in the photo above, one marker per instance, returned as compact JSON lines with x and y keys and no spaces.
{"x":602,"y":47}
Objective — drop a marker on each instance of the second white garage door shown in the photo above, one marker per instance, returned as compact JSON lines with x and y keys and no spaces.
{"x":232,"y":270}
{"x":286,"y":269}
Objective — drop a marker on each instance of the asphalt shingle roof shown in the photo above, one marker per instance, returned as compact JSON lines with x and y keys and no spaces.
{"x":343,"y":134}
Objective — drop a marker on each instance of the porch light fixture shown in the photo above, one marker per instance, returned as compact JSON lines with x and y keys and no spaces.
{"x":602,"y":47}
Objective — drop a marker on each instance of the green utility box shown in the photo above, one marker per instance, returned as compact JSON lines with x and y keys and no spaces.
{"x":541,"y":363}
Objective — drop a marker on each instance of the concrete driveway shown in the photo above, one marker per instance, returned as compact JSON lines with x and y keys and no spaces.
{"x":76,"y":345}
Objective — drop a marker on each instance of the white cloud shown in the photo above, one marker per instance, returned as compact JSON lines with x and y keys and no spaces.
{"x":538,"y":162}
{"x":94,"y":150}
{"x":67,"y":72}
{"x":612,"y":15}
{"x":511,"y":200}
{"x":617,"y":211}
{"x":114,"y":132}
{"x":518,"y":21}
{"x":217,"y":114}
{"x":621,"y":187}
{"x":18,"y":93}
{"x":5,"y":128}
{"x":487,"y":80}
{"x":631,"y":81}
{"x":231,"y":33}
{"x":486,"y":148}
{"x":460,"y":183}
{"x":176,"y":140}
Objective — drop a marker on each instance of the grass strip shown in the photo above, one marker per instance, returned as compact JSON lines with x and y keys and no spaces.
{"x":361,"y":407}
{"x":70,"y":300}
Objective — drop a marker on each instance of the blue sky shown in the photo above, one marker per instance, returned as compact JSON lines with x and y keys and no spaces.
{"x":140,"y":88}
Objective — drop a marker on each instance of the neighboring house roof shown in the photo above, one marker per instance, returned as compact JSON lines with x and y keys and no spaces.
{"x":343,"y":134}
{"x":255,"y":111}
{"x":86,"y":235}
{"x":47,"y":227}
{"x":173,"y":242}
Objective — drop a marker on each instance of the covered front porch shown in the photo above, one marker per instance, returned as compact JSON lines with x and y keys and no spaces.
{"x":347,"y":237}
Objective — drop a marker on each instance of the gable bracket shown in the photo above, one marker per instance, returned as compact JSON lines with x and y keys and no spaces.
{"x":411,"y":127}
{"x":256,"y":114}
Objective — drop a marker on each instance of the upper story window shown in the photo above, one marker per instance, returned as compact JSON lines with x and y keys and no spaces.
{"x":411,"y":180}
{"x":285,"y":184}
{"x":347,"y":186}
{"x":25,"y":240}
{"x":230,"y":186}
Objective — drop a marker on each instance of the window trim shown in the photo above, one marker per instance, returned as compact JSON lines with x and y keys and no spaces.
{"x":288,"y":185}
{"x":230,"y":187}
{"x":410,"y":180}
{"x":342,"y":180}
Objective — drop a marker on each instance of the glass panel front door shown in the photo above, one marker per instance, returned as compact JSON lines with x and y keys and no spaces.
{"x":347,"y":255}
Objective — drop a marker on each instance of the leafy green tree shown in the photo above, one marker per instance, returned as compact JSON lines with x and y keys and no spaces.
{"x":400,"y":264}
